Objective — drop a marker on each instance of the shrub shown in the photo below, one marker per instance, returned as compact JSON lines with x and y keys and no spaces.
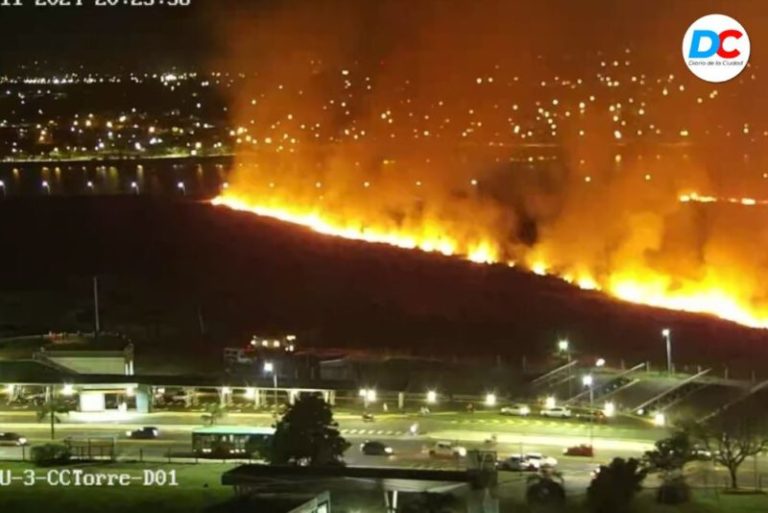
{"x":50,"y":454}
{"x":674,"y":491}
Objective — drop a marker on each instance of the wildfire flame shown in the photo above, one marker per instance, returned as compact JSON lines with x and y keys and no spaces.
{"x":640,"y":286}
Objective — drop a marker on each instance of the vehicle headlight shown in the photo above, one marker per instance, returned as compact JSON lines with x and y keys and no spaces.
{"x":388,"y":450}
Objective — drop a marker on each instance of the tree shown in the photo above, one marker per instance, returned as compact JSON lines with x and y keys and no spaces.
{"x":670,"y":454}
{"x":668,"y":458}
{"x":52,"y":410}
{"x":733,"y":437}
{"x":545,"y":491}
{"x":214,"y":412}
{"x":307,"y":434}
{"x":615,"y":485}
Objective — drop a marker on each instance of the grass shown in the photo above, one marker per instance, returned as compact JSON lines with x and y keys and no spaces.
{"x":198,"y":488}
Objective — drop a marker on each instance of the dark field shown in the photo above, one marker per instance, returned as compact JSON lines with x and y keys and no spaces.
{"x":186,"y":279}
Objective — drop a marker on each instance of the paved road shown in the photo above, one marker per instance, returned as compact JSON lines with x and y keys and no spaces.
{"x":513,"y":436}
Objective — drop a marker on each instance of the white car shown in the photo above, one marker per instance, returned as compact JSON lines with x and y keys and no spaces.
{"x":557,"y":412}
{"x":517,"y":463}
{"x":520,"y":410}
{"x":447,"y":450}
{"x":538,"y":460}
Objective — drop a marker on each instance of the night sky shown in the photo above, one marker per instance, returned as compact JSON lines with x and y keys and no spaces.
{"x":187,"y":36}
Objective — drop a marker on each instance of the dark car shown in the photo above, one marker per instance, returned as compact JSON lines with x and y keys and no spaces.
{"x":144,"y":433}
{"x":372,"y":448}
{"x":14,"y":439}
{"x":580,"y":450}
{"x":597,"y":416}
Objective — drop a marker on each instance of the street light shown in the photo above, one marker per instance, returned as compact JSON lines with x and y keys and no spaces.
{"x":550,"y":402}
{"x":610,"y":409}
{"x":46,"y":186}
{"x":431,"y":397}
{"x":2,"y":187}
{"x":89,"y":185}
{"x":182,"y":188}
{"x":67,"y":390}
{"x":667,"y":334}
{"x":659,"y":419}
{"x":490,"y":399}
{"x":270,"y":368}
{"x":135,"y":187}
{"x":564,"y":346}
{"x":368,"y":395}
{"x":600,"y":362}
{"x":588,"y":381}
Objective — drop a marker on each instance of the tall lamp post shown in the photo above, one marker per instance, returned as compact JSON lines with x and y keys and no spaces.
{"x":269,"y":368}
{"x":564,"y":346}
{"x":588,"y":381}
{"x":667,"y":334}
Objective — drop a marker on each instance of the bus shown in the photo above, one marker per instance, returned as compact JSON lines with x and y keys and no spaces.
{"x":232,"y":441}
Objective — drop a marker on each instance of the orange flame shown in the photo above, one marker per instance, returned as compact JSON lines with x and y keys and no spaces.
{"x":641,"y":286}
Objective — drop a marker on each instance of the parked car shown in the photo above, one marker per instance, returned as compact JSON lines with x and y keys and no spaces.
{"x":539,"y":460}
{"x":144,"y":433}
{"x":447,"y":450}
{"x":517,"y":463}
{"x":580,"y":450}
{"x":701,"y":453}
{"x":13,"y":439}
{"x":374,"y":448}
{"x":557,"y":412}
{"x":520,"y":410}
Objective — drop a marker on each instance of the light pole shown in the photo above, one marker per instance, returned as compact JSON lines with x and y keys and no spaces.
{"x":564,"y":346}
{"x":589,"y":381}
{"x":269,"y":368}
{"x":667,"y":334}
